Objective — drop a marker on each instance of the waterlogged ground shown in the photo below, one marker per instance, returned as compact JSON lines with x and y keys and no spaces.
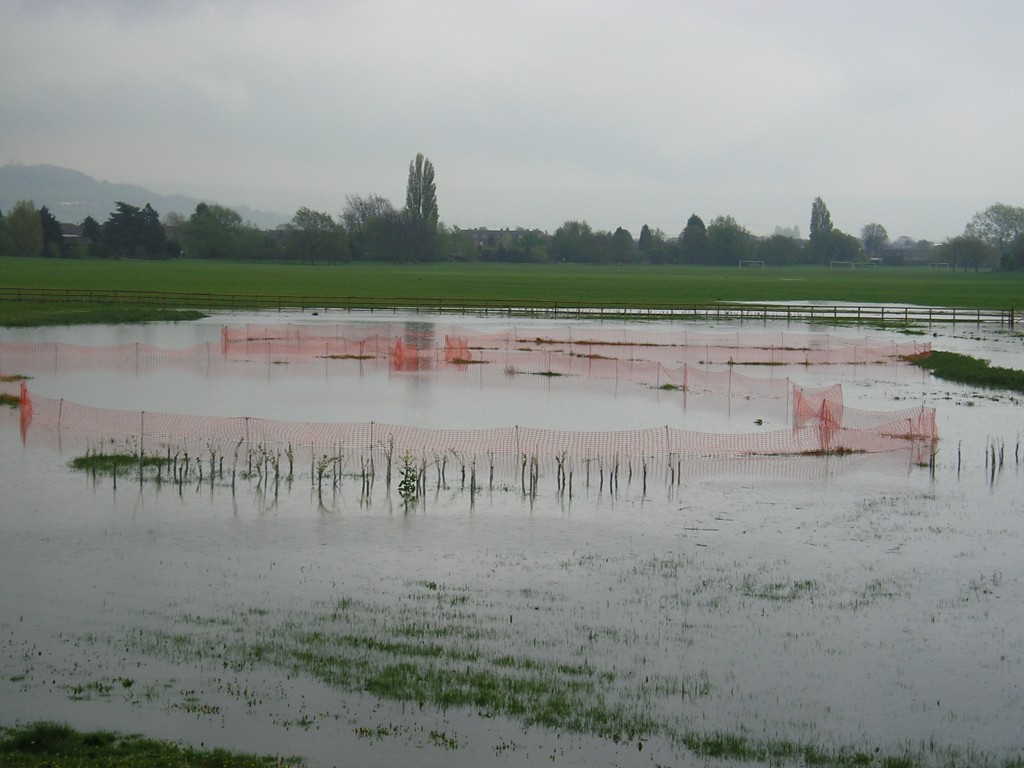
{"x":858,"y":603}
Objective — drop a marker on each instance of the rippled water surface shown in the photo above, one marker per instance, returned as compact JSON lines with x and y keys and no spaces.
{"x":856,"y":602}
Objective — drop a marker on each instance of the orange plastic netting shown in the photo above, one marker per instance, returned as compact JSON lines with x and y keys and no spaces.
{"x":821,"y":422}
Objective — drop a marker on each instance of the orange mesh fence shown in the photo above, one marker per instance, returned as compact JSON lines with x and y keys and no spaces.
{"x":809,"y":404}
{"x":505,"y":447}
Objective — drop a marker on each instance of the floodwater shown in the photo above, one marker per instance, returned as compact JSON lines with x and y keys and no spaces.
{"x":859,"y":602}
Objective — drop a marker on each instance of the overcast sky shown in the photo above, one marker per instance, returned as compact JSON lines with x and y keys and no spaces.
{"x":906,"y":113}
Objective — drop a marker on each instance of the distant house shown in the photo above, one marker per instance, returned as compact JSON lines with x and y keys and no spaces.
{"x":72,"y":234}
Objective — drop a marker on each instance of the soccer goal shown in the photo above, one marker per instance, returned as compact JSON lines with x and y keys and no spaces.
{"x":938,"y":265}
{"x":842,"y":264}
{"x":754,"y":264}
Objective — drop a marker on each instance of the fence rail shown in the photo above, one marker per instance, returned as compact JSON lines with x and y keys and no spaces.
{"x":873,"y":313}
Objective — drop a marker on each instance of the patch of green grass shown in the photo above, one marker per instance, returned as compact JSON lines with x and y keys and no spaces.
{"x":49,"y":745}
{"x":780,"y":591}
{"x":26,"y":314}
{"x":11,"y":401}
{"x":965,"y":369}
{"x":110,"y":463}
{"x":731,"y":746}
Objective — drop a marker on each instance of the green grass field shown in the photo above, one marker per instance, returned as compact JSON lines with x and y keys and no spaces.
{"x":567,"y":284}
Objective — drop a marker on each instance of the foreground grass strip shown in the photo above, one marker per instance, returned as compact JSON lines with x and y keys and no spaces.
{"x":53,"y":744}
{"x":965,"y":369}
{"x":454,"y":666}
{"x":535,"y":692}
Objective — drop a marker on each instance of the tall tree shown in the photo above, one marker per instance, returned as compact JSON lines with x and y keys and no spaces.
{"x":874,"y":237}
{"x":997,"y":225}
{"x":1013,"y":257}
{"x":135,"y":232}
{"x":53,"y":233}
{"x":621,"y":247}
{"x":152,"y":237}
{"x":967,"y":250}
{"x":646,"y":241}
{"x":369,"y":221}
{"x":213,"y":232}
{"x":573,"y":241}
{"x":728,"y":242}
{"x":91,"y":230}
{"x":421,"y":208}
{"x":24,"y":230}
{"x":779,"y":250}
{"x":693,"y":241}
{"x":316,"y":236}
{"x":820,"y":238}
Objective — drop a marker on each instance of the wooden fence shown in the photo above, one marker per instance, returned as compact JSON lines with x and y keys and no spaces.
{"x":824,"y":313}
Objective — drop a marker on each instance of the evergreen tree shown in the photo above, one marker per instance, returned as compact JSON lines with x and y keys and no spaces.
{"x":53,"y":234}
{"x":693,"y":241}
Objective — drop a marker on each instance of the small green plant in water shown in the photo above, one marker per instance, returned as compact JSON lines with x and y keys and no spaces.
{"x":408,"y":486}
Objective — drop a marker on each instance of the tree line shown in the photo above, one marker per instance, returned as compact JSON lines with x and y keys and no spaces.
{"x":371,"y":228}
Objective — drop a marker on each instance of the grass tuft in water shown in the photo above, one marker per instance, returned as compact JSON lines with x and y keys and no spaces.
{"x":119,"y":463}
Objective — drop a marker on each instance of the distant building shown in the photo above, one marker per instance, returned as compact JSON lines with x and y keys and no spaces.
{"x":72,"y":234}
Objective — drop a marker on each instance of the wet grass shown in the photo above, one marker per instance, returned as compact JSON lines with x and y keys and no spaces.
{"x":455,"y":660}
{"x":447,"y":667}
{"x":965,"y":369}
{"x":27,"y":314}
{"x":10,"y":401}
{"x":116,"y":463}
{"x":53,"y":745}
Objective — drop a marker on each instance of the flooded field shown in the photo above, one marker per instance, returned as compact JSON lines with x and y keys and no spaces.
{"x":767,"y":609}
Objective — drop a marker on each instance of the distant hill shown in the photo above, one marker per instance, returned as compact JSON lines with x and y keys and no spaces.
{"x":71,"y":196}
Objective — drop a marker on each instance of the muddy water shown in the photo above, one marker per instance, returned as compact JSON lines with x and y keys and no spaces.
{"x":863,"y":602}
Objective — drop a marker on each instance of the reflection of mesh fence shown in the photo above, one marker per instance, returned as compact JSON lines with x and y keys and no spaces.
{"x":656,"y":359}
{"x":500,"y":447}
{"x":668,"y":347}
